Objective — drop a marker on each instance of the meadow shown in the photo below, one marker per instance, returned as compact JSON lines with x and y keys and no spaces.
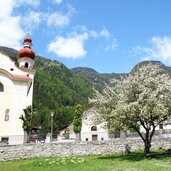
{"x":114,"y":162}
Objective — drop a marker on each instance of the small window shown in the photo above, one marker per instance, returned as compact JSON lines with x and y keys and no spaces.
{"x":26,"y":65}
{"x":5,"y":140}
{"x":1,"y":88}
{"x":102,"y":139}
{"x":93,"y":128}
{"x":86,"y":139}
{"x":160,"y":126}
{"x":7,"y":115}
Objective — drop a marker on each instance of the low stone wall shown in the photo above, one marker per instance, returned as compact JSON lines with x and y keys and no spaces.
{"x":77,"y":148}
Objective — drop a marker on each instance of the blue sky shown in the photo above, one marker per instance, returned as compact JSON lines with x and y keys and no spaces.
{"x":107,"y":35}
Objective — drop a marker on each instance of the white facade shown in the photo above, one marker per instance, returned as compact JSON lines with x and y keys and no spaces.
{"x":90,"y":131}
{"x":15,"y":95}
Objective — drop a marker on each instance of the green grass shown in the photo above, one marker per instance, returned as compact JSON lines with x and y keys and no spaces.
{"x":115,"y":162}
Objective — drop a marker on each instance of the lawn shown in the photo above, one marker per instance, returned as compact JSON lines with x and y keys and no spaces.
{"x":115,"y":162}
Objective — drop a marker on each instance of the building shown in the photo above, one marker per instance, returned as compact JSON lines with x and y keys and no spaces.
{"x":66,"y":134}
{"x":90,"y":131}
{"x":16,"y":92}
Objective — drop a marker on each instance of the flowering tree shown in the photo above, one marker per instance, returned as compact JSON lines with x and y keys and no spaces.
{"x":140,"y":100}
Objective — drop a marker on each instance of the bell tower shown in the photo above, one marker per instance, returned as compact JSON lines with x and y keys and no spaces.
{"x":26,"y":55}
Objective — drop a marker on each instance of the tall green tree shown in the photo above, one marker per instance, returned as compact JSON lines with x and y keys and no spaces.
{"x":77,"y":122}
{"x":27,"y":121}
{"x":141,"y":102}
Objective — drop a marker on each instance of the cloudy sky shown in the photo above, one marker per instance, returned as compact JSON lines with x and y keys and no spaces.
{"x":107,"y":35}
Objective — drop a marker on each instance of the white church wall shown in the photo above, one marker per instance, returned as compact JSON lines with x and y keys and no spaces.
{"x":12,"y":99}
{"x":15,"y":98}
{"x":6,"y":101}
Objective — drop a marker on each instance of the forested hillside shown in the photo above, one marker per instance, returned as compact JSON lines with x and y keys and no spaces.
{"x":98,"y":80}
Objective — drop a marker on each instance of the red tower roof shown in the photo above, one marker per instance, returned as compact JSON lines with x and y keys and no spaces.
{"x":27,"y":39}
{"x":27,"y":51}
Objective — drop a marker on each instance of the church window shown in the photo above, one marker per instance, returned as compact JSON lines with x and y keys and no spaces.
{"x":26,"y":65}
{"x":1,"y":88}
{"x":7,"y":115}
{"x":93,"y":128}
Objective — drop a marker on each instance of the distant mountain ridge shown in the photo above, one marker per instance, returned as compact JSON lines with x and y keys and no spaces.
{"x":97,"y":79}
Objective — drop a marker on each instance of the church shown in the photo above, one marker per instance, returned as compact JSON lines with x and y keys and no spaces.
{"x":16,"y":92}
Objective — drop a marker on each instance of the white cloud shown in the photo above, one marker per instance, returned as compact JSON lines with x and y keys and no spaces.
{"x":160,"y":50}
{"x":58,"y":19}
{"x":93,"y":33}
{"x":10,"y":30}
{"x":33,"y":20}
{"x":58,"y":1}
{"x":71,"y":47}
{"x":6,"y":7}
{"x":105,"y":33}
{"x":33,"y":3}
{"x":112,"y":46}
{"x":71,"y":10}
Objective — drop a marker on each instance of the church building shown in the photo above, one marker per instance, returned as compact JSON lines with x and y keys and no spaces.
{"x":16,"y":92}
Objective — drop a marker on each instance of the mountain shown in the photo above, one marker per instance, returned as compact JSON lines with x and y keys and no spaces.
{"x":165,"y":68}
{"x":98,"y":80}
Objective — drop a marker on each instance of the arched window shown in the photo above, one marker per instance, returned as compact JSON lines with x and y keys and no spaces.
{"x":1,"y":88}
{"x":93,"y":128}
{"x":7,"y":115}
{"x":26,"y":65}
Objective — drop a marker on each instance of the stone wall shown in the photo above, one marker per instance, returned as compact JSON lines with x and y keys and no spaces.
{"x":77,"y":148}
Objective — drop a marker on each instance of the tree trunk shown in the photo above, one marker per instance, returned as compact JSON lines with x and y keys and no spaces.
{"x":147,"y":140}
{"x":25,"y":137}
{"x":28,"y":136}
{"x":147,"y":146}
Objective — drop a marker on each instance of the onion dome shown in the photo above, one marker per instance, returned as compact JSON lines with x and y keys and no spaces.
{"x":27,"y":39}
{"x":27,"y":51}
